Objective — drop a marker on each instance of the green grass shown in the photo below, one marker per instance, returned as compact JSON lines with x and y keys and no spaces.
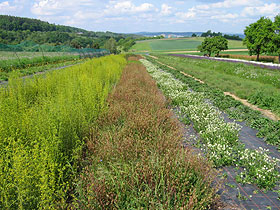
{"x":4,"y":55}
{"x":4,"y":76}
{"x":259,"y":86}
{"x":181,"y":44}
{"x":141,"y":46}
{"x":172,"y":45}
{"x":44,"y":122}
{"x":13,"y":64}
{"x":136,"y":161}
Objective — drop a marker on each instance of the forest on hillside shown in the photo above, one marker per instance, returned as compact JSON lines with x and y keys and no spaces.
{"x":14,"y":30}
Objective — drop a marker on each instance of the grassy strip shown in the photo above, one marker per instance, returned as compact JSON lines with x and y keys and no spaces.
{"x":43,"y":122}
{"x":268,"y":129}
{"x":240,"y":55}
{"x":4,"y":76}
{"x":270,"y":59}
{"x":259,"y":86}
{"x":220,"y":139}
{"x":6,"y":55}
{"x":136,"y":158}
{"x":13,"y":64}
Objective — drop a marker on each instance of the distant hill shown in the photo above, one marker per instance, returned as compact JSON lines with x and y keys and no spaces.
{"x":14,"y":30}
{"x":180,"y":34}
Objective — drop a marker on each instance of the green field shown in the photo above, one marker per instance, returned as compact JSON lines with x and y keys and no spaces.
{"x":182,"y":44}
{"x":259,"y":86}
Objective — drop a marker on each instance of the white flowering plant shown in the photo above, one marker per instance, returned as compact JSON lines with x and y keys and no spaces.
{"x":220,"y":139}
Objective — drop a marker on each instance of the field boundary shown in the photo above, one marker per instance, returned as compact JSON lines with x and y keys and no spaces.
{"x":196,"y":51}
{"x":231,"y":60}
{"x":266,"y":113}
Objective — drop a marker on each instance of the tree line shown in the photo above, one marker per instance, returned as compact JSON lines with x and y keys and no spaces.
{"x":15,"y":30}
{"x":263,"y":36}
{"x":209,"y":33}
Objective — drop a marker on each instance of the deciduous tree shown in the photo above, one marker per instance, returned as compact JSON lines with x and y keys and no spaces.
{"x":111,"y":45}
{"x":213,"y":45}
{"x":275,"y":47}
{"x":259,"y":36}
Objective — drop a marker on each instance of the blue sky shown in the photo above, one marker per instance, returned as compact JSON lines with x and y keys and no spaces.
{"x":142,"y":15}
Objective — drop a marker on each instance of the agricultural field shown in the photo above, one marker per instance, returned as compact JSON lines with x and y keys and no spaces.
{"x":26,"y":66}
{"x":178,"y":44}
{"x":5,"y":55}
{"x":29,"y":71}
{"x":108,"y":133}
{"x":44,"y":123}
{"x":259,"y":86}
{"x":135,"y":155}
{"x":229,"y":144}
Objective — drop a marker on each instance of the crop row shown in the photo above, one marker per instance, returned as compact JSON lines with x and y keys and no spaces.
{"x":268,"y":129}
{"x":12,"y":64}
{"x":220,"y":139}
{"x":43,"y":124}
{"x":259,"y":86}
{"x":135,"y":160}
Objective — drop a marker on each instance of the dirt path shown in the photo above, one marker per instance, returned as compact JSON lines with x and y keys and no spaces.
{"x":231,"y":50}
{"x":265,"y":112}
{"x":231,"y":60}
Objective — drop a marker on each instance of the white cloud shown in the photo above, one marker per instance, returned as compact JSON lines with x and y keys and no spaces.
{"x":46,"y":7}
{"x":5,"y":7}
{"x":127,"y":7}
{"x":165,"y":10}
{"x":223,"y":11}
{"x":270,"y":10}
{"x":228,"y":4}
{"x":52,"y":7}
{"x":183,"y":16}
{"x":225,"y":16}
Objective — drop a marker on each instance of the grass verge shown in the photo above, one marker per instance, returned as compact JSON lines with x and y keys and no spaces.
{"x":135,"y":154}
{"x":259,"y":86}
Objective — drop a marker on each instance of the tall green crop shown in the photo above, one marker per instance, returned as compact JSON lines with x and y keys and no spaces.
{"x":43,"y":123}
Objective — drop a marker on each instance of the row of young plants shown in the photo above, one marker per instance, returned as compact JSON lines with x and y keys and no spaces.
{"x":259,"y":86}
{"x":134,"y":159}
{"x":13,"y":64}
{"x":4,"y":76}
{"x":220,"y":139}
{"x":267,"y":129}
{"x":44,"y":121}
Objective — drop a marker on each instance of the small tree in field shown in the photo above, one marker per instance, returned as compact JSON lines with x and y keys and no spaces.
{"x":259,"y":36}
{"x":213,"y":45}
{"x":220,"y":43}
